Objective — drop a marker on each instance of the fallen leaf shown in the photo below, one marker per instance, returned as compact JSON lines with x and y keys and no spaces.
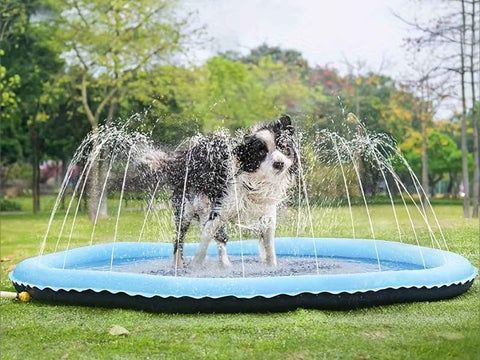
{"x":363,"y":357}
{"x":118,"y":330}
{"x":451,"y":336}
{"x":374,"y":334}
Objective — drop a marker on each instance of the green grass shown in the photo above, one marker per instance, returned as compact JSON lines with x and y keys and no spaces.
{"x":439,"y":330}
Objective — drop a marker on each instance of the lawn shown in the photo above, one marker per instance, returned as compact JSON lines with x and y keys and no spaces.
{"x":438,"y":330}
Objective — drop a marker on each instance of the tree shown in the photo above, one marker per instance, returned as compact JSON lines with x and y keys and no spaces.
{"x":232,"y":94}
{"x":475,"y":54}
{"x":450,"y":33}
{"x":429,"y":92}
{"x":113,"y":44}
{"x":466,"y":182}
{"x":443,"y":157}
{"x":171,"y":94}
{"x":11,"y":145}
{"x":289,"y":57}
{"x":30,"y":55}
{"x":355,"y":73}
{"x":66,"y":126}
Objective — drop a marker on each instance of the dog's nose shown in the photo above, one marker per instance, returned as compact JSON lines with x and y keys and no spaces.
{"x":278,"y":165}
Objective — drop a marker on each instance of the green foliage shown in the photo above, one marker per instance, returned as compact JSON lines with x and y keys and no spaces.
{"x":326,"y":184}
{"x":9,"y":205}
{"x":31,"y":64}
{"x":84,"y":62}
{"x":114,"y":45}
{"x":11,"y":146}
{"x":237,"y":95}
{"x":118,"y":38}
{"x":8,"y":85}
{"x":18,"y":170}
{"x":444,"y":155}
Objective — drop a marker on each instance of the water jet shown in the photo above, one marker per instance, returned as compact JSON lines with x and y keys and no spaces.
{"x":315,"y":269}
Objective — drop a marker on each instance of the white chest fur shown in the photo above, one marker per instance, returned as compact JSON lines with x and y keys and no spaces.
{"x":253,"y":201}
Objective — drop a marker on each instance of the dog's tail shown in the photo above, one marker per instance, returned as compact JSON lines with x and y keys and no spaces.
{"x":156,"y":159}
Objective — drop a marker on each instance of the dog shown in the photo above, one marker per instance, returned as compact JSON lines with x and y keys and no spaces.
{"x":218,"y":179}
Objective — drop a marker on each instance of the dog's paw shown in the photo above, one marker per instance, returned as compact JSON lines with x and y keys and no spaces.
{"x":178,"y":260}
{"x":179,"y":263}
{"x":270,"y":262}
{"x":197,"y":262}
{"x":224,"y":264}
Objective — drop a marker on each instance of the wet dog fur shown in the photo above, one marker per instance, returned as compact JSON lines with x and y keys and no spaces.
{"x":219,"y":179}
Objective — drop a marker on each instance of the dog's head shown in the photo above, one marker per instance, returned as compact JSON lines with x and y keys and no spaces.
{"x":269,"y":151}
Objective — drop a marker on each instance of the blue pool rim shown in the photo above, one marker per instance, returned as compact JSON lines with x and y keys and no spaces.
{"x":447,"y":274}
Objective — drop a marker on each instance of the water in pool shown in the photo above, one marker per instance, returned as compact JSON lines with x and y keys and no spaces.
{"x":287,"y":266}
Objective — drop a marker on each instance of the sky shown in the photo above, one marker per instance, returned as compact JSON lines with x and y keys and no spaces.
{"x":324,"y":31}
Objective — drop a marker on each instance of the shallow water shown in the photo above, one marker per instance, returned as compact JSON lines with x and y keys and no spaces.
{"x":287,"y":266}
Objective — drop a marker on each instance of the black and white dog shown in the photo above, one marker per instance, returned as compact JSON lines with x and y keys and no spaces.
{"x":220,"y":179}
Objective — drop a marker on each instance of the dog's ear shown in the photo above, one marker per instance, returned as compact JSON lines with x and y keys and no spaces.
{"x":284,"y":123}
{"x":285,"y":120}
{"x":241,"y":151}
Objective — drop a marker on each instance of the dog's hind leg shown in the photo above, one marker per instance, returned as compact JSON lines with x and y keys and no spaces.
{"x":208,"y":232}
{"x":182,"y":222}
{"x":221,"y":238}
{"x":184,"y":214}
{"x":182,"y":229}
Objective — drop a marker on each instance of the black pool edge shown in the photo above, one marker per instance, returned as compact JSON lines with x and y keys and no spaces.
{"x":232,"y":304}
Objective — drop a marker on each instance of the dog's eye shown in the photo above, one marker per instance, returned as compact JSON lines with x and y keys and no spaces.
{"x":285,"y":150}
{"x":263,"y":151}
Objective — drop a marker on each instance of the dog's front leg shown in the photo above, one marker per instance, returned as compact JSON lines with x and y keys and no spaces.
{"x":209,"y":230}
{"x":267,"y":240}
{"x":221,"y":238}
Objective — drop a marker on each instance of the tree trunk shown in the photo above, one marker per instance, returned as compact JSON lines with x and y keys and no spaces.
{"x":111,"y":112}
{"x":476,"y":164}
{"x":466,"y":184}
{"x":65,"y":163}
{"x":35,"y":168}
{"x":425,"y":182}
{"x":431,"y":183}
{"x":423,"y":124}
{"x":476,"y":160}
{"x":97,"y":172}
{"x":96,"y":205}
{"x":451,"y":182}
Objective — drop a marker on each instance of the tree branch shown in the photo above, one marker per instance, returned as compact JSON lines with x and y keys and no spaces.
{"x":84,"y":64}
{"x":90,"y":116}
{"x":104,"y":102}
{"x":75,"y":5}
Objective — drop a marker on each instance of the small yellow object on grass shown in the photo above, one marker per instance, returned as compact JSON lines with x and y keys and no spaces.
{"x":24,"y":296}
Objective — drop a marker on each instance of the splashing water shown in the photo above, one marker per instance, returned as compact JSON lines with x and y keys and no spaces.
{"x":333,"y":187}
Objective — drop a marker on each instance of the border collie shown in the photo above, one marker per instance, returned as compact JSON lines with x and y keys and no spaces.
{"x":219,"y":179}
